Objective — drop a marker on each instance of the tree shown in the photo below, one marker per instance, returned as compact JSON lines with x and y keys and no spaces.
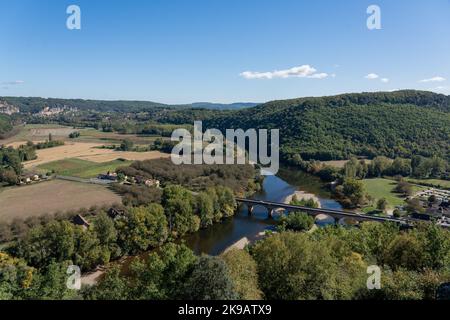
{"x":244,"y":274}
{"x":405,"y":251}
{"x":210,"y":280}
{"x":382,"y":204}
{"x":9,"y":176}
{"x":401,"y":167}
{"x":51,"y":283}
{"x":436,"y":246}
{"x":112,"y":287}
{"x":414,"y":206}
{"x":354,"y":191}
{"x":205,"y":209}
{"x":88,"y":253}
{"x":432,"y":199}
{"x":178,"y":206}
{"x":163,"y":274}
{"x":126,"y":145}
{"x":296,"y":221}
{"x":292,"y":266}
{"x":44,"y":243}
{"x":310,"y":203}
{"x":404,"y":188}
{"x":379,"y":166}
{"x":142,"y":228}
{"x":226,"y":201}
{"x":15,"y":277}
{"x":105,"y":229}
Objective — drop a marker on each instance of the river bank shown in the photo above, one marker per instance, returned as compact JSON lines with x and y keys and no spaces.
{"x":242,"y":228}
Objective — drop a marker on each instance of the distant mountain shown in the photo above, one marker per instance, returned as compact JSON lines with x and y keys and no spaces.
{"x":401,"y":123}
{"x":222,"y":106}
{"x":36,"y":105}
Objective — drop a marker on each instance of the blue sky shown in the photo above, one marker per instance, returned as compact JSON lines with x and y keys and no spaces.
{"x":180,"y":51}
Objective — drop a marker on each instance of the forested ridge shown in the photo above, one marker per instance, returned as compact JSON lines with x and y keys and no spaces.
{"x":393,"y":124}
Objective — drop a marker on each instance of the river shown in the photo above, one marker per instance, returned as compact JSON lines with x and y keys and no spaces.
{"x":219,"y":237}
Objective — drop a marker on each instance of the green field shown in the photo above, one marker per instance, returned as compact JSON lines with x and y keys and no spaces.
{"x":82,"y":168}
{"x":383,"y":188}
{"x":92,"y":135}
{"x":444,"y":184}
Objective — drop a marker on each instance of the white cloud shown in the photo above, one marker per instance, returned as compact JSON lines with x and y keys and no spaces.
{"x":319,"y":76}
{"x":304,"y":71}
{"x":434,"y":79}
{"x":372,"y":76}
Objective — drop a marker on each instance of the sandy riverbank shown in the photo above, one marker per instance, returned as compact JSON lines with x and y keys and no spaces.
{"x":301,"y":195}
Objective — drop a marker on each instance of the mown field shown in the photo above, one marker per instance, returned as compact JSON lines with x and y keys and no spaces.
{"x":384,"y":188}
{"x":444,"y":184}
{"x":81,"y":168}
{"x":51,"y":197}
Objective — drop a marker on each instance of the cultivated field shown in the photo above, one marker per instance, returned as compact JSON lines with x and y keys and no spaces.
{"x":89,"y":152}
{"x":50,"y":197}
{"x":37,"y":133}
{"x":81,"y":168}
{"x":40,"y":132}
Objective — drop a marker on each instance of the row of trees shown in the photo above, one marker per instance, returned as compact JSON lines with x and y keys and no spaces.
{"x":331,"y":263}
{"x":139,"y":229}
{"x":11,"y":162}
{"x":176,"y":273}
{"x":328,"y":264}
{"x":240,"y":179}
{"x":417,"y":166}
{"x":11,"y":159}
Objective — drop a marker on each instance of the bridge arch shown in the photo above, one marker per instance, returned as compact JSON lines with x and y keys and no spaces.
{"x":323,"y":220}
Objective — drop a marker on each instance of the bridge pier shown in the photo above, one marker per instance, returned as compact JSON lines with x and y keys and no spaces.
{"x":271,"y":212}
{"x":250,"y":210}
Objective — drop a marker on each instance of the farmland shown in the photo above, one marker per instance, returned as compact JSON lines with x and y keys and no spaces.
{"x":442,"y":184}
{"x":81,"y":168}
{"x":89,"y":152}
{"x":50,"y":197}
{"x":40,"y":132}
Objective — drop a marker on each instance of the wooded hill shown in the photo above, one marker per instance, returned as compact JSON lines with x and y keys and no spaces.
{"x":36,"y":104}
{"x":393,"y":124}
